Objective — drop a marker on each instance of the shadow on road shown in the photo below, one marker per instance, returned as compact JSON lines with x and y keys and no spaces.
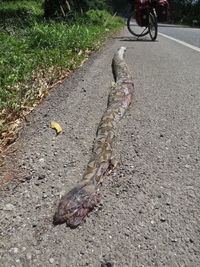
{"x":132,"y":39}
{"x":172,"y":26}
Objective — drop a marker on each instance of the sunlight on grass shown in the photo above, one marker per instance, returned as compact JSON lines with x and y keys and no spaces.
{"x":35,"y":53}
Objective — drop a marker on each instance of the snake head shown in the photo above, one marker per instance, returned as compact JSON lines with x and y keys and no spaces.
{"x":76,"y":204}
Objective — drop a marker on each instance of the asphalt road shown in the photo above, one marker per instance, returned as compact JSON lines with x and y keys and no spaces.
{"x":149,"y":214}
{"x":186,"y":34}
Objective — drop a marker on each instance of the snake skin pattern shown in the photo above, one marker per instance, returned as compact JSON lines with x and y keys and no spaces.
{"x":76,"y":204}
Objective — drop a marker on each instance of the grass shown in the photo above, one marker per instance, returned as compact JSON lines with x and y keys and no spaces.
{"x":35,"y":54}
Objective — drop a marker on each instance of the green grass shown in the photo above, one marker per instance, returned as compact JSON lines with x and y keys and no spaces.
{"x":34,"y":53}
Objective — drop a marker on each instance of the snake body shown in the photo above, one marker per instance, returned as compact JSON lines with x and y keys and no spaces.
{"x":76,"y":204}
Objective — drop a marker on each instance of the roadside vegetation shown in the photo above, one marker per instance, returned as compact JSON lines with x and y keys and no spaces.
{"x":38,"y":52}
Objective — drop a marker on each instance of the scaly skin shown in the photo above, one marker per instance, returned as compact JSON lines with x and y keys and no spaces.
{"x":76,"y":204}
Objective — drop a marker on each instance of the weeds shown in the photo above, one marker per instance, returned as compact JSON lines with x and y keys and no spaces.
{"x":35,"y":53}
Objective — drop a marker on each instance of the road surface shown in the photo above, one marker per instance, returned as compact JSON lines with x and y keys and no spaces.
{"x":149,"y":215}
{"x":186,"y":34}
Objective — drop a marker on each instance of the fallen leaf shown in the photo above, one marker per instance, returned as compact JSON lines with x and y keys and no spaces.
{"x":113,"y":83}
{"x":80,"y":53}
{"x":56,"y":126}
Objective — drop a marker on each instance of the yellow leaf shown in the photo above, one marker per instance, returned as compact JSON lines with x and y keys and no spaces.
{"x":113,"y":83}
{"x":56,"y":126}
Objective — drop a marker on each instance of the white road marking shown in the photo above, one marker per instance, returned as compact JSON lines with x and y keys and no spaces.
{"x":181,"y":42}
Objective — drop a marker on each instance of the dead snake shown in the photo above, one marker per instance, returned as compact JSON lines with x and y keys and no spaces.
{"x":76,"y":204}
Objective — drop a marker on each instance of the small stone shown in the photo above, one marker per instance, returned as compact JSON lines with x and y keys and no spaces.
{"x":44,"y":196}
{"x":9,"y":207}
{"x":41,"y":176}
{"x":117,"y":193}
{"x":51,"y":260}
{"x":82,"y":251}
{"x":34,"y":224}
{"x":107,"y":264}
{"x":61,"y":193}
{"x":14,"y":250}
{"x":89,"y":240}
{"x":28,"y":178}
{"x":28,"y":256}
{"x":162,"y":219}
